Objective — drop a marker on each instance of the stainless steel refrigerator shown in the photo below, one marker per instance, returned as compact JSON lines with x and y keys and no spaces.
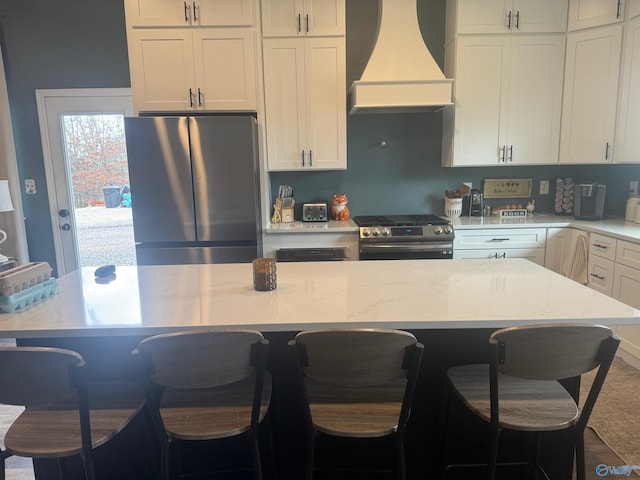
{"x":194,"y":188}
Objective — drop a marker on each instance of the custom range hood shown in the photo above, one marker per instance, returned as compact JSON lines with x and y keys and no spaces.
{"x":401,"y":75}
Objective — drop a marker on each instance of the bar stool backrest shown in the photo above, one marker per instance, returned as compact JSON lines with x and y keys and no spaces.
{"x":355,"y":357}
{"x":199,"y":360}
{"x":36,"y":375}
{"x":549,"y":352}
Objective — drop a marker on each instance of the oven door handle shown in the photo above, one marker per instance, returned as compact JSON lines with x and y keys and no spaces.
{"x":406,"y":247}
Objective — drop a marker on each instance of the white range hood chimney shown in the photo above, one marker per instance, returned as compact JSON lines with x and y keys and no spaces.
{"x":401,"y":75}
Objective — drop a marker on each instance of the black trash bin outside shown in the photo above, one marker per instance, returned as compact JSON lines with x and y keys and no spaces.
{"x":111,"y":196}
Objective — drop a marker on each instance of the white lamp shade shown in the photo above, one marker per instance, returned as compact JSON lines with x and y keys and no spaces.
{"x":5,"y":197}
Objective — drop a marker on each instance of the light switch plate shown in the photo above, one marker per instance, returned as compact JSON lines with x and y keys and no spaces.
{"x":544,"y":187}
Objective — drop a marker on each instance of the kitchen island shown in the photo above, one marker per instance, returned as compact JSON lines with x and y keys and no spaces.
{"x":412,"y":294}
{"x":452,"y":306}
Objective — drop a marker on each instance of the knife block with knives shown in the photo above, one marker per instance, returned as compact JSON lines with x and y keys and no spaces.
{"x":283,"y":208}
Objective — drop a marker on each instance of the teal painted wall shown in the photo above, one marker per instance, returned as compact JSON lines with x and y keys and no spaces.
{"x":82,"y":44}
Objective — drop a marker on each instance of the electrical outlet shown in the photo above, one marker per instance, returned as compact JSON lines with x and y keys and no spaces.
{"x":544,"y":187}
{"x":633,"y":186}
{"x":30,"y":186}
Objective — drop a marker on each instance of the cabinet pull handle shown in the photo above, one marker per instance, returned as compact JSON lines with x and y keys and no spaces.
{"x":307,"y":22}
{"x":597,"y":245}
{"x":509,"y":20}
{"x":517,"y":20}
{"x":186,"y":12}
{"x":599,"y":277}
{"x":606,"y":152}
{"x":299,"y":24}
{"x":311,"y":158}
{"x":302,"y":155}
{"x":195,"y":12}
{"x":504,"y":255}
{"x":502,"y":149}
{"x":619,"y":10}
{"x":510,"y":156}
{"x":199,"y":97}
{"x":191,"y":98}
{"x":500,"y":239}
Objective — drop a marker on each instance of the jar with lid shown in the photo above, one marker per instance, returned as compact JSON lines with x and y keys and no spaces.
{"x":632,"y":202}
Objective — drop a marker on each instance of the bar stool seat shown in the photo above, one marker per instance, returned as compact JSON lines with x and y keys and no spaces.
{"x":65,"y":413}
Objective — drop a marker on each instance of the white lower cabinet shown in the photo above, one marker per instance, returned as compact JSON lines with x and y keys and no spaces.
{"x":275,"y":241}
{"x":500,"y":243}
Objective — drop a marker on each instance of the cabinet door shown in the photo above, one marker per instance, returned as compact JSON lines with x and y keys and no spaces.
{"x":282,"y":18}
{"x":634,"y":8}
{"x":628,"y":140}
{"x":480,"y":111}
{"x":291,"y":18}
{"x":535,"y":255}
{"x":158,"y":13}
{"x":558,"y":247}
{"x":161,"y":68}
{"x":225,"y":69}
{"x":503,"y":16}
{"x":324,"y":17}
{"x":541,"y":16}
{"x":284,"y":85}
{"x":600,"y":276}
{"x":590,"y":94}
{"x":326,"y":102}
{"x":535,"y":99}
{"x":594,"y":13}
{"x":212,"y":13}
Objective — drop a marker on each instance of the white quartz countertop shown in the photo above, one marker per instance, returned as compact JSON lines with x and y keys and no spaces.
{"x":409,"y":294}
{"x":615,"y":227}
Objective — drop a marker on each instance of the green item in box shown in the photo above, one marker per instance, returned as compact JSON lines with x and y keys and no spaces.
{"x":28,"y":296}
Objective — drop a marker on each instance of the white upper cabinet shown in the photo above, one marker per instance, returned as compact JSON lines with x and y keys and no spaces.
{"x":590,"y":95}
{"x":594,"y":13}
{"x":181,"y":13}
{"x":627,"y":131}
{"x":177,"y":69}
{"x":507,"y":94}
{"x":506,"y":16}
{"x":293,"y":18}
{"x":305,"y":103}
{"x":634,"y":8}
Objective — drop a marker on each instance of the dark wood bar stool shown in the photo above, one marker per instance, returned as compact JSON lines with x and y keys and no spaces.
{"x":357,"y":384}
{"x":65,"y":413}
{"x":520,"y":388}
{"x":206,"y":386}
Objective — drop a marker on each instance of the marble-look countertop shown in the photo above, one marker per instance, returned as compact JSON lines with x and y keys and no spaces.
{"x":615,"y":227}
{"x":409,"y":294}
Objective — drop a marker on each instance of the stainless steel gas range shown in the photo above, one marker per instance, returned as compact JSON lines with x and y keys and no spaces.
{"x":403,"y":237}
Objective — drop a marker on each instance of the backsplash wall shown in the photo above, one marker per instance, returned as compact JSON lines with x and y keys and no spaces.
{"x":405,"y":175}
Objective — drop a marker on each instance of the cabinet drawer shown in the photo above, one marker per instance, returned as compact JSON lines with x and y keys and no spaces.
{"x":535,"y":255}
{"x":500,"y":239}
{"x":602,"y":246}
{"x":628,"y":254}
{"x":600,"y":276}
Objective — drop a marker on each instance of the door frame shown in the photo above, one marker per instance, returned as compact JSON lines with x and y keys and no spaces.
{"x":59,"y":194}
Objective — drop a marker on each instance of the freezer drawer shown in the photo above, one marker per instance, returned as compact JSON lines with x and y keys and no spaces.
{"x":194,"y":255}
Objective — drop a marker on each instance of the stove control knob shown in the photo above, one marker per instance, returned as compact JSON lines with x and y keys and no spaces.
{"x":448,"y":230}
{"x":376,"y":232}
{"x":437,"y":230}
{"x":386,"y":232}
{"x":366,"y":232}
